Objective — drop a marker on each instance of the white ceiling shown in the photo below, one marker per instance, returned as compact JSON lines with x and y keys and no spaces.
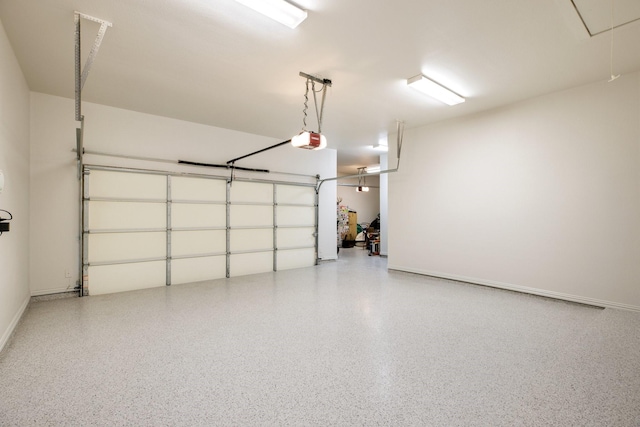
{"x":219,"y":63}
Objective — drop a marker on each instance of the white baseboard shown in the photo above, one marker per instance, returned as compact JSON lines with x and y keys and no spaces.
{"x":523,"y":289}
{"x":14,"y":322}
{"x":51,"y":291}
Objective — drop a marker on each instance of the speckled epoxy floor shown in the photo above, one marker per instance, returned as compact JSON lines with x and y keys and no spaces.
{"x":344,"y":343}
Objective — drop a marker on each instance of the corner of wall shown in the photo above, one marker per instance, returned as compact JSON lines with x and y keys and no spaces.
{"x":8,"y":333}
{"x":14,"y":161}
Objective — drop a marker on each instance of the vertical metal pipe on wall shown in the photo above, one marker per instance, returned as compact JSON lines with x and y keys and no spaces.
{"x":84,"y":234}
{"x":78,"y":69}
{"x":275,"y":227}
{"x":82,"y":246}
{"x":168,"y":230}
{"x":81,"y":210}
{"x":228,"y":222}
{"x":317,"y":228}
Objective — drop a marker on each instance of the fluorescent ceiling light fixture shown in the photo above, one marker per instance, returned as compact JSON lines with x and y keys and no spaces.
{"x":278,"y":10}
{"x":373,"y":168}
{"x":434,"y":90}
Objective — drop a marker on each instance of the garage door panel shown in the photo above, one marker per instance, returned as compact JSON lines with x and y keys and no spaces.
{"x":198,"y":242}
{"x":198,"y":269}
{"x":248,"y":240}
{"x":126,"y":215}
{"x":296,"y":237}
{"x":251,"y":216}
{"x":193,"y":215}
{"x":125,"y":185}
{"x":293,"y":194}
{"x":244,"y":264}
{"x":198,"y":189}
{"x":251,"y":192}
{"x":298,"y":258}
{"x":295,"y":215}
{"x":106,"y":279}
{"x":126,"y":246}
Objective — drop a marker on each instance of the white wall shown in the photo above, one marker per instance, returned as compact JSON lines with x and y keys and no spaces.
{"x":14,"y":162}
{"x":542,"y":196}
{"x":54,"y":245}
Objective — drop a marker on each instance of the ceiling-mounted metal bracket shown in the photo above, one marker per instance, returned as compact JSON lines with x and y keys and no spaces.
{"x":325,"y":83}
{"x":315,"y":79}
{"x":83,"y":73}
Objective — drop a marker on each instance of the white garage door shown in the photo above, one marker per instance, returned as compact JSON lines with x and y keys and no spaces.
{"x":145,"y":230}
